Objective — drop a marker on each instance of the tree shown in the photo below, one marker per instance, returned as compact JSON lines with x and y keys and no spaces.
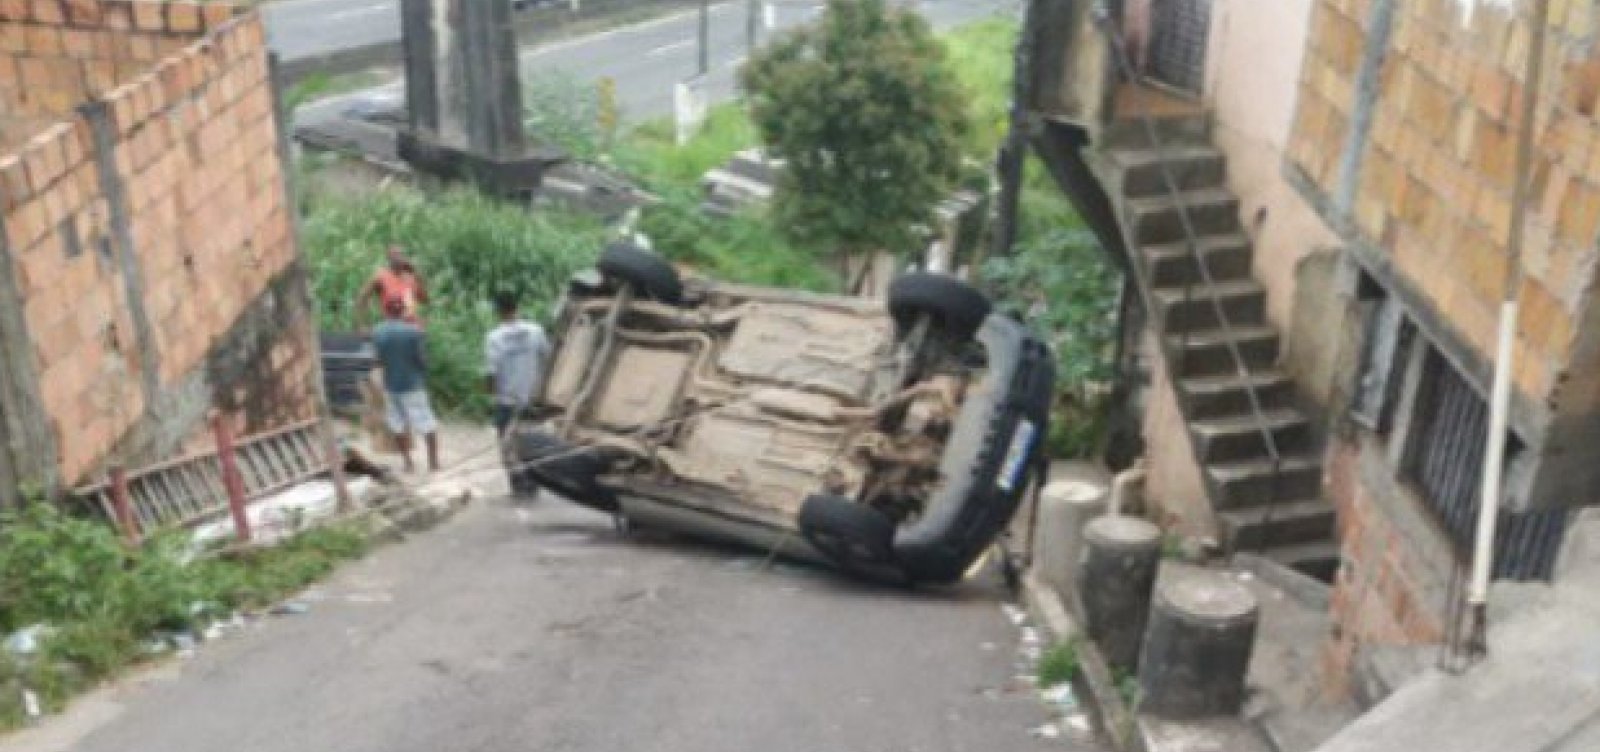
{"x":869,"y":120}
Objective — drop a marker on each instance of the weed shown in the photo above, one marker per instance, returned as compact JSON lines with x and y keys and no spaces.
{"x":100,"y":599}
{"x":1058,"y":664}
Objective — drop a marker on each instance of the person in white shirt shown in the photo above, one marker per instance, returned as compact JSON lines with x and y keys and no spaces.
{"x":515,"y":351}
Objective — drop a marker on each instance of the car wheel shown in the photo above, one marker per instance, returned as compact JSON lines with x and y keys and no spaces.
{"x":650,"y":274}
{"x":856,"y":537}
{"x":573,"y":472}
{"x":956,"y":308}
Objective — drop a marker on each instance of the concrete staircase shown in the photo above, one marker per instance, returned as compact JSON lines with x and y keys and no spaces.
{"x":1283,"y":516}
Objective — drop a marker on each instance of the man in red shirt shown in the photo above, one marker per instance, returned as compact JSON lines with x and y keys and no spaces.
{"x":397,"y":281}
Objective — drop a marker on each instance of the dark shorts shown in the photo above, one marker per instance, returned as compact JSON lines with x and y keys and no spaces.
{"x":502,"y":418}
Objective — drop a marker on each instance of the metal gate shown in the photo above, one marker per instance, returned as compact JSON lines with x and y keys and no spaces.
{"x":1179,"y":30}
{"x":1446,"y":463}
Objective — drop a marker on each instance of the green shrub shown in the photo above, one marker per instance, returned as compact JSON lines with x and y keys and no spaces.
{"x":1058,"y":664}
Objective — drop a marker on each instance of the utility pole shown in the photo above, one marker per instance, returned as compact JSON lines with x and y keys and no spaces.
{"x":1013,"y":154}
{"x":705,"y":37}
{"x":1500,"y":391}
{"x":752,"y":20}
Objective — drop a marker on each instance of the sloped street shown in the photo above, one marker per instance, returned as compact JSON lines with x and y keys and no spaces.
{"x":539,"y":628}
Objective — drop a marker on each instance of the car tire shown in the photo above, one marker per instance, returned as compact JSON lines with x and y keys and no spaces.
{"x":956,"y":308}
{"x":545,"y":461}
{"x":856,"y":537}
{"x":649,"y":274}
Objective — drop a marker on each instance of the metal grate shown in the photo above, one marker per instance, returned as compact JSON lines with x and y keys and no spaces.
{"x":1179,"y":30}
{"x":1446,"y":463}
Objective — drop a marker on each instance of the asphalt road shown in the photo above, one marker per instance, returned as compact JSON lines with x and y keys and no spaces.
{"x":303,"y":28}
{"x":538,"y":628}
{"x":645,"y":59}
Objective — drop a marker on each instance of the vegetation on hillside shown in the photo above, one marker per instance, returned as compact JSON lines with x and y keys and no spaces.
{"x":1057,"y":275}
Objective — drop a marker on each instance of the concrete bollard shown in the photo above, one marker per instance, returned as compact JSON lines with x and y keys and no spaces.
{"x":1065,"y":507}
{"x":1197,"y":648}
{"x":1117,"y":572}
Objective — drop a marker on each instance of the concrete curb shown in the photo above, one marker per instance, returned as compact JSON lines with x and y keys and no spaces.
{"x":1094,"y":683}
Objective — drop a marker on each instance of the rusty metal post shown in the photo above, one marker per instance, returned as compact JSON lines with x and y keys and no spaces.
{"x":232,"y":481}
{"x":122,"y":506}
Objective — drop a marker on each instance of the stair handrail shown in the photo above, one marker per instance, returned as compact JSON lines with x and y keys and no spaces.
{"x":1123,"y":68}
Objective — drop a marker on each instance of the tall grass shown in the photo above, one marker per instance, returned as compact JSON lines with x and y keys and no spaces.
{"x":468,"y":247}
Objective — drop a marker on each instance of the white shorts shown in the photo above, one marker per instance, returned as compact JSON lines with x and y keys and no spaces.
{"x":410,"y":413}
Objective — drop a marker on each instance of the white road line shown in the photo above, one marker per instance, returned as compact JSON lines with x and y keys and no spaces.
{"x":666,"y":48}
{"x":362,"y":11}
{"x":566,"y":44}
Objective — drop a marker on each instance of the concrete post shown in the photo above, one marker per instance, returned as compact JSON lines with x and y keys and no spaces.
{"x":1120,"y":559}
{"x":97,"y":113}
{"x":1197,"y":650}
{"x":1065,"y":507}
{"x":463,"y":83}
{"x":27,"y":443}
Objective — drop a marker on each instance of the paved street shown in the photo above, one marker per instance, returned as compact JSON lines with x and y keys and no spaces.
{"x":303,"y":28}
{"x":645,"y":59}
{"x":537,"y":628}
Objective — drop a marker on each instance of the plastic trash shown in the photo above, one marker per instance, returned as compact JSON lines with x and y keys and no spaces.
{"x":1061,"y":696}
{"x":1048,"y":731}
{"x":31,"y":706}
{"x":183,"y":642}
{"x":28,"y":640}
{"x":290,"y":608}
{"x":1016,"y":615}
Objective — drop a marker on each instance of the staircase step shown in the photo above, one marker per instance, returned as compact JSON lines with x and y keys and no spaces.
{"x":1170,"y":130}
{"x":1145,"y":170}
{"x":1217,"y":396}
{"x":1227,"y":258}
{"x":1319,"y":559}
{"x":1244,"y":301}
{"x":1207,"y":354}
{"x":1159,"y":219}
{"x":1236,"y":485}
{"x":1281,"y":524}
{"x":1243,"y":437}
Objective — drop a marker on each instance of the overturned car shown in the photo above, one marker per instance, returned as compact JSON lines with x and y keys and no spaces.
{"x":893,"y":442}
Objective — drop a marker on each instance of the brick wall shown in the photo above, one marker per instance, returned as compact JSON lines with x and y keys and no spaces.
{"x":1432,"y":188}
{"x":54,"y":55}
{"x":152,"y":255}
{"x":1393,"y":582}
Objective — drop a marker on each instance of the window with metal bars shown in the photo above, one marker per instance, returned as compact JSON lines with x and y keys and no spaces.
{"x":1444,"y":460}
{"x":1179,"y":31}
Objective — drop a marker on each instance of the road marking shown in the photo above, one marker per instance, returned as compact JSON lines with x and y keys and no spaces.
{"x":566,"y":44}
{"x":362,"y":11}
{"x":666,"y":48}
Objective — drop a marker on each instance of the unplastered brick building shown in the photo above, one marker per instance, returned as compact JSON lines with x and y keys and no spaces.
{"x":1317,"y":239}
{"x":149,"y":272}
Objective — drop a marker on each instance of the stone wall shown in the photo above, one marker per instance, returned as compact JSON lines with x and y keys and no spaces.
{"x":147,"y":238}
